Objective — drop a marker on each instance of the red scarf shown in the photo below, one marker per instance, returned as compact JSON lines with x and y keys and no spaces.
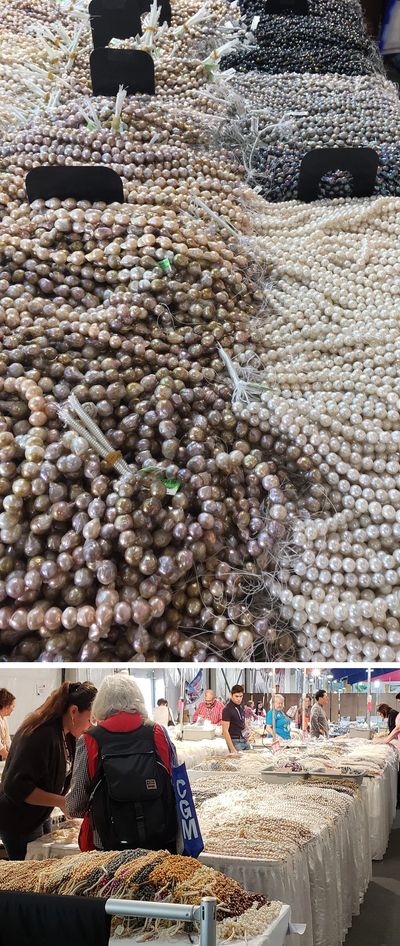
{"x":121,"y":722}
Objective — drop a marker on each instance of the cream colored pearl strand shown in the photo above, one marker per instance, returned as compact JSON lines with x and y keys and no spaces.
{"x":330,"y":402}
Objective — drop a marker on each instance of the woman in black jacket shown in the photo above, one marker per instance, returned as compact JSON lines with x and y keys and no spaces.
{"x":38,"y":767}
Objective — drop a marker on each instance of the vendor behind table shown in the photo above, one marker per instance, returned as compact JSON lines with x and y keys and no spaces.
{"x":234,"y":727}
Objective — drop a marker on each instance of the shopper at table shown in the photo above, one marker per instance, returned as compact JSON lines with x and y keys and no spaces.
{"x":260,"y":709}
{"x":307,"y":714}
{"x":249,"y":710}
{"x":210,"y":708}
{"x":394,"y":735}
{"x":319,"y":724}
{"x":282,"y":721}
{"x":121,"y":781}
{"x":38,"y":767}
{"x":162,"y":714}
{"x":234,"y":727}
{"x":7,"y":705}
{"x":387,"y":712}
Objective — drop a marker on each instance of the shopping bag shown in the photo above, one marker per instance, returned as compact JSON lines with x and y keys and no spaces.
{"x":191,"y":841}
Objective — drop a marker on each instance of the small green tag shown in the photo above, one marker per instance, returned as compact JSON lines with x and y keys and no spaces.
{"x":172,"y":486}
{"x":90,"y":126}
{"x":165,"y":265}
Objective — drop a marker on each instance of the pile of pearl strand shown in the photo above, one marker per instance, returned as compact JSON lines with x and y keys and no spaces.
{"x":302,"y":112}
{"x":330,"y":403}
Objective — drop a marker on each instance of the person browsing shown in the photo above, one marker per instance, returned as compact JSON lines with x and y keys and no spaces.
{"x":394,"y":734}
{"x":307,"y":714}
{"x":121,"y":781}
{"x":386,"y":712}
{"x":38,"y":766}
{"x":7,"y":705}
{"x":162,"y":713}
{"x":319,"y":724}
{"x":259,"y":708}
{"x":282,"y":722}
{"x":249,"y":710}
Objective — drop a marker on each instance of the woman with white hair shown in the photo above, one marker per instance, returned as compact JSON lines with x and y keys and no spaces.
{"x":282,"y":721}
{"x":121,"y":780}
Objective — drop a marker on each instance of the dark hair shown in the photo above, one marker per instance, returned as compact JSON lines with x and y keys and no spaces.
{"x":162,"y":702}
{"x":397,"y":696}
{"x":307,"y":697}
{"x":384,"y":709}
{"x":68,"y":694}
{"x":319,"y":693}
{"x":6,"y":698}
{"x":237,"y":688}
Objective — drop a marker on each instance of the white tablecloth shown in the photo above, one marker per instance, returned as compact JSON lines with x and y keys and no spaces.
{"x":41,"y":850}
{"x":324,"y":882}
{"x":271,"y":878}
{"x":354,"y":733}
{"x":275,"y":935}
{"x":381,"y":797}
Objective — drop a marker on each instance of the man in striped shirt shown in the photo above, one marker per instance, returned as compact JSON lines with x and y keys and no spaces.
{"x":210,"y":709}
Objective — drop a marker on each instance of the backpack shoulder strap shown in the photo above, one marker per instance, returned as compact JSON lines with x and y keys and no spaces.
{"x":94,"y":733}
{"x":147,"y":730}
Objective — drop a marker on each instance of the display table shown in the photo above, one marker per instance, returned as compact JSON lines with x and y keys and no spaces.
{"x":194,"y":752}
{"x":275,"y":935}
{"x":271,"y":878}
{"x":55,"y":844}
{"x":358,"y":732}
{"x":42,"y":849}
{"x":324,"y":882}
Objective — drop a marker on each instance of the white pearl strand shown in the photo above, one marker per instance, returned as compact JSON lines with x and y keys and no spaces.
{"x":331,"y":369}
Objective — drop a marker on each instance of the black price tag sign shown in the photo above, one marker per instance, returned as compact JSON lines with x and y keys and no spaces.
{"x":299,"y":7}
{"x":361,"y":163}
{"x":84,"y":183}
{"x":114,"y":19}
{"x":121,"y":19}
{"x":131,"y":68}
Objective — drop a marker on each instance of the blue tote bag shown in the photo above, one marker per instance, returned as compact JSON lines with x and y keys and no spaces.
{"x":189,"y":828}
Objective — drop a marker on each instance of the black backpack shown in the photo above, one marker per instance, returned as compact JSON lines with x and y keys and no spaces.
{"x":131,"y":802}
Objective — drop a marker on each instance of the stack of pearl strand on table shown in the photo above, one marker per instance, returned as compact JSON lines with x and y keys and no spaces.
{"x":329,"y":400}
